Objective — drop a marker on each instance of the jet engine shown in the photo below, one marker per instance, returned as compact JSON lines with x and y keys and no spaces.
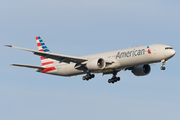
{"x":141,"y":70}
{"x":96,"y":64}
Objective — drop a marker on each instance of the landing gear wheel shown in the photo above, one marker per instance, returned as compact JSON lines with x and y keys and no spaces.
{"x":92,"y":76}
{"x":88,"y":76}
{"x":84,"y":77}
{"x":113,"y":80}
{"x":109,"y":81}
{"x":163,"y":68}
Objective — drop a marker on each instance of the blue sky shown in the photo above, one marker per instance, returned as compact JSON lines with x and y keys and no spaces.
{"x":79,"y":28}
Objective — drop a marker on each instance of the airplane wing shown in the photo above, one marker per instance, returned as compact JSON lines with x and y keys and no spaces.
{"x":59,"y":57}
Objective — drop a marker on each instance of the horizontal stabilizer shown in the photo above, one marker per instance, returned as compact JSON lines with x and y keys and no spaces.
{"x":28,"y":66}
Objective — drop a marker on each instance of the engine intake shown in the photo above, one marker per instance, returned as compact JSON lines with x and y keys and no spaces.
{"x":96,"y":64}
{"x":141,"y":70}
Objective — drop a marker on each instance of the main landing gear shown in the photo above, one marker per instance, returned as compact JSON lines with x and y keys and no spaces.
{"x":88,"y":76}
{"x":163,"y":63}
{"x":114,"y":78}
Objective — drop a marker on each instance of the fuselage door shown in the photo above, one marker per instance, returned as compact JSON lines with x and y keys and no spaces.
{"x":154,"y":51}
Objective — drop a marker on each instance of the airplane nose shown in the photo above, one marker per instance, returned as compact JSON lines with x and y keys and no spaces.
{"x":173,"y":52}
{"x":170,"y":53}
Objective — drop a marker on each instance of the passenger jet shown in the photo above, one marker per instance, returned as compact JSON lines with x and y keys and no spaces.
{"x":137,"y":60}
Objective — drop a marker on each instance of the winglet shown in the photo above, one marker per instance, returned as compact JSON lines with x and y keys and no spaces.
{"x":8,"y":45}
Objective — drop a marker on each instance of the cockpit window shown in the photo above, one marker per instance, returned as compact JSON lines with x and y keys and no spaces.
{"x":168,"y":48}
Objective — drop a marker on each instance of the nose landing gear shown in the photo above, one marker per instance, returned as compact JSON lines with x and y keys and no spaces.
{"x":163,"y":63}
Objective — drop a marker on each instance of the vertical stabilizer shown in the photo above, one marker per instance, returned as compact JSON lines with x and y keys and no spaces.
{"x":43,"y":48}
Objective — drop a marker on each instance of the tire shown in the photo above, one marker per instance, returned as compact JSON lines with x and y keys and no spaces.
{"x":92,"y":76}
{"x":84,"y":78}
{"x":88,"y":76}
{"x":163,"y":68}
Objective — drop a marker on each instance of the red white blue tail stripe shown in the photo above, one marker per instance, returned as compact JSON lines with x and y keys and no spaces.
{"x":43,"y":48}
{"x":41,"y":45}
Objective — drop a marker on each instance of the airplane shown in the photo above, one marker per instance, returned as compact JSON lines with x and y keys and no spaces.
{"x":137,"y":60}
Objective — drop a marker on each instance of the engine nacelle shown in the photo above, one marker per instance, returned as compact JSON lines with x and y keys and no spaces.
{"x":141,"y":70}
{"x":96,"y":64}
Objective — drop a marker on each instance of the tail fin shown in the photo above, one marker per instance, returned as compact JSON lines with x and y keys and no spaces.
{"x":43,"y":48}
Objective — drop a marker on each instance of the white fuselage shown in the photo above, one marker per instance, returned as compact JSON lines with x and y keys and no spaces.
{"x":120,"y":59}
